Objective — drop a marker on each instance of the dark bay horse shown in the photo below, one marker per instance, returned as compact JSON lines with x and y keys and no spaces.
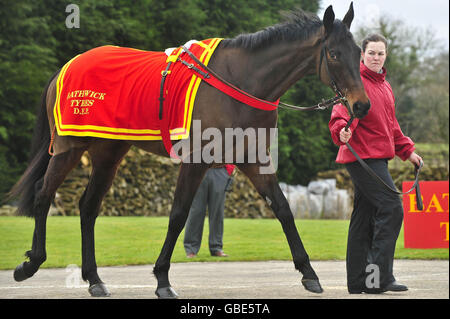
{"x":264,"y":64}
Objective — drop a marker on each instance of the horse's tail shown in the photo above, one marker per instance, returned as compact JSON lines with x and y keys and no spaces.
{"x":31,"y":181}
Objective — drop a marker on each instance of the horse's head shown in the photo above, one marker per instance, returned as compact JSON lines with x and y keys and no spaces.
{"x":338,"y":64}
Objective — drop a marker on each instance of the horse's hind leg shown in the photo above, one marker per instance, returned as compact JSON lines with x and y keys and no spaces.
{"x":106,"y":158}
{"x":58,"y":168}
{"x":268,"y":187}
{"x":188,"y":181}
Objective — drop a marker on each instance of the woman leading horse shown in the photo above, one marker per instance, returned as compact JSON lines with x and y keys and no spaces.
{"x":264,"y":64}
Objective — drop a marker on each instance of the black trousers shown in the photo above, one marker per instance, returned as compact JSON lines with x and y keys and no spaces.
{"x":374,"y":227}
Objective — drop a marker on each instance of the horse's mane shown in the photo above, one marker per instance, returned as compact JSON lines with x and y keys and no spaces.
{"x":298,"y":25}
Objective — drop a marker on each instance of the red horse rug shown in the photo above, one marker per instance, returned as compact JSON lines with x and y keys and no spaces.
{"x":113,"y":92}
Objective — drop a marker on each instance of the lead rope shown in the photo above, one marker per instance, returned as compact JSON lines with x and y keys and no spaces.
{"x":320,"y":106}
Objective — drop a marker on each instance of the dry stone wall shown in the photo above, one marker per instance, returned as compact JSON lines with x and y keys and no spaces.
{"x":145,"y":186}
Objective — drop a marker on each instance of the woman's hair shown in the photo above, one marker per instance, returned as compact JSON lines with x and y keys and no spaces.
{"x":374,"y":38}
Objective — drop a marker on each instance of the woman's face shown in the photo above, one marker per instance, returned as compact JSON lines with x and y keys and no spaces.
{"x":374,"y":56}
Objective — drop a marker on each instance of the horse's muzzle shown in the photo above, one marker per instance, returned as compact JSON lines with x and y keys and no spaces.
{"x":361,"y":109}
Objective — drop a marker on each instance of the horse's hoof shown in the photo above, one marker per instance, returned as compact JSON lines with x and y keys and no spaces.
{"x":166,"y":293}
{"x":99,"y":290}
{"x":312,"y":285}
{"x":19,"y":273}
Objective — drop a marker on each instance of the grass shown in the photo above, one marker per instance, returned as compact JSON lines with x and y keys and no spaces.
{"x":138,"y":240}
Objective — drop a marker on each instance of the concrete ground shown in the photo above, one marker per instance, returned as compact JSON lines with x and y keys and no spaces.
{"x":426,"y":279}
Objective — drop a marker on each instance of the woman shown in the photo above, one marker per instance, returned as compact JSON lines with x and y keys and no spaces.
{"x":377,"y":214}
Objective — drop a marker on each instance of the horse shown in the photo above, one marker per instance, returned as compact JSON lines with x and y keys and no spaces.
{"x":265,"y":64}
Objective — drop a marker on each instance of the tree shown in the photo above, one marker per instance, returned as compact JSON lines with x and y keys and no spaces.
{"x":431,"y":114}
{"x":26,"y":62}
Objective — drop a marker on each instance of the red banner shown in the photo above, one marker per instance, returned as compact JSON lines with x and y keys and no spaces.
{"x":427,"y":228}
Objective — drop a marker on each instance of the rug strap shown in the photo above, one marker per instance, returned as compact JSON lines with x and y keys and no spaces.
{"x":164,"y":118}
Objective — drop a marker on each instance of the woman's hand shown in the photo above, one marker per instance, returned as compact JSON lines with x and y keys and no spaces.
{"x":344,"y":135}
{"x":415,"y":159}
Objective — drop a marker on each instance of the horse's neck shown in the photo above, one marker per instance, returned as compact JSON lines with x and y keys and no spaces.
{"x":270,"y":72}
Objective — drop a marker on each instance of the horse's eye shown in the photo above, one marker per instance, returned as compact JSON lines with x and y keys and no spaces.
{"x":333,"y":55}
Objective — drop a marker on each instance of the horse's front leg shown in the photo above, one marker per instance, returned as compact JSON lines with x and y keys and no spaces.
{"x":189,"y":179}
{"x":268,"y":187}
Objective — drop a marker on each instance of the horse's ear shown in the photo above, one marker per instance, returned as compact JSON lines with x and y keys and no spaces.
{"x":349,"y":16}
{"x":328,"y":20}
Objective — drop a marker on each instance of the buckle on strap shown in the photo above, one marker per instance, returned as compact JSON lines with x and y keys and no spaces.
{"x":161,"y":90}
{"x":164,"y":73}
{"x":193,"y":67}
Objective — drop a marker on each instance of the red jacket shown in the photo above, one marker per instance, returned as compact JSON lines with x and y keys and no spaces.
{"x":378,"y":134}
